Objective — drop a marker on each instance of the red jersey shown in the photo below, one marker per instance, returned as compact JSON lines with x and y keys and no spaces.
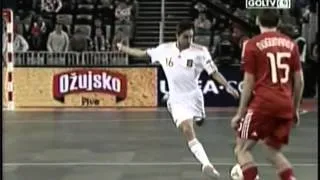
{"x":272,"y":58}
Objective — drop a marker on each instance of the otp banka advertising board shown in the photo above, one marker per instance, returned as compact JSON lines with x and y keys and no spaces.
{"x":215,"y":94}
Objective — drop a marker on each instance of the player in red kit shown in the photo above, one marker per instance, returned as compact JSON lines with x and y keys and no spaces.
{"x":270,"y":100}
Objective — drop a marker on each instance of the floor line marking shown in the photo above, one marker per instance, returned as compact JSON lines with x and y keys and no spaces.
{"x":125,"y":119}
{"x":141,"y":164}
{"x":116,"y":109}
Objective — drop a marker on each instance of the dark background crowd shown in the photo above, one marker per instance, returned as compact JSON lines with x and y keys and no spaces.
{"x":224,"y":38}
{"x":74,"y":25}
{"x":97,"y":25}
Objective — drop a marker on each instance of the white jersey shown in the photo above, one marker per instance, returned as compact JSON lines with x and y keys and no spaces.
{"x":183,"y":68}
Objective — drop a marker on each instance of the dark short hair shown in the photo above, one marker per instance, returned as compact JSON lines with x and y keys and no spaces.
{"x":184,"y":26}
{"x":269,"y":18}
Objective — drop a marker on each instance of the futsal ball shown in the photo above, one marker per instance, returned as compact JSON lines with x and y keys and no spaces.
{"x":236,"y":172}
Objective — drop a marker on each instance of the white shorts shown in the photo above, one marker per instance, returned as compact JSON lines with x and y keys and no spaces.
{"x":190,"y":108}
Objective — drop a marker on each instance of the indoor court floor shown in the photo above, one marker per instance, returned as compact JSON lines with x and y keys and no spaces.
{"x":132,"y":145}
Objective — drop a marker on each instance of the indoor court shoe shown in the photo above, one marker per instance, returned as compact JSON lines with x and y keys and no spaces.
{"x":210,"y":172}
{"x":199,"y":121}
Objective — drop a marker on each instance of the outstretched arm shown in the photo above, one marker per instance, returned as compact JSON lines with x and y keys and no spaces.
{"x":220,"y":78}
{"x":132,"y":51}
{"x":212,"y":70}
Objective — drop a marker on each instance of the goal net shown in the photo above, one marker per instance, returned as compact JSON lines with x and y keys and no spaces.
{"x":8,"y":59}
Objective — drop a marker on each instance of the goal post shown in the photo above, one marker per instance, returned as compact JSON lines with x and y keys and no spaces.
{"x":8,"y":54}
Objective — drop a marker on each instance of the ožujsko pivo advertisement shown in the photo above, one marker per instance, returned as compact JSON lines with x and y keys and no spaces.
{"x":85,"y":87}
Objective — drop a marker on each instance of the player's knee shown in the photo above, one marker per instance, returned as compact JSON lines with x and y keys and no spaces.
{"x":271,"y":156}
{"x":244,"y":147}
{"x":271,"y":152}
{"x":236,"y":149}
{"x":187,"y":129}
{"x":240,"y":151}
{"x":273,"y":145}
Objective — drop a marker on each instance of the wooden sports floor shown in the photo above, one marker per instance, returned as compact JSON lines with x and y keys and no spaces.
{"x":133,"y":145}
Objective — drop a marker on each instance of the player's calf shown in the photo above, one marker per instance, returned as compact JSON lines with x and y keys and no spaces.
{"x":194,"y":145}
{"x":187,"y":129}
{"x":245,"y":159}
{"x":279,"y":161}
{"x":197,"y":149}
{"x":237,"y":147}
{"x":248,"y":167}
{"x":236,"y":171}
{"x":249,"y":171}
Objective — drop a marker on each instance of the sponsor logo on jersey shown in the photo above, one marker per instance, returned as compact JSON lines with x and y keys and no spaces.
{"x":101,"y":81}
{"x":189,"y":63}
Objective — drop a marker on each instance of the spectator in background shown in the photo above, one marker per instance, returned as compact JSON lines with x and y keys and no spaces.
{"x":123,"y":13}
{"x":19,"y":25}
{"x":51,"y":6}
{"x":105,"y":11}
{"x":309,"y":21}
{"x":222,"y":23}
{"x":97,"y":24}
{"x":225,"y":53}
{"x":314,"y":49}
{"x":215,"y":41}
{"x":19,"y":44}
{"x":134,"y":6}
{"x":239,"y":36}
{"x":314,"y":60}
{"x":79,"y":41}
{"x":100,"y":43}
{"x":67,"y":6}
{"x":302,"y":45}
{"x":292,"y":31}
{"x":38,"y":31}
{"x":27,"y":22}
{"x":202,"y":23}
{"x":58,"y":40}
{"x":89,"y":42}
{"x":106,"y":3}
{"x":119,"y":36}
{"x":200,"y":7}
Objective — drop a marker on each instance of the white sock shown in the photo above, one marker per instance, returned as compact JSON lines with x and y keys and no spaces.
{"x":198,"y":151}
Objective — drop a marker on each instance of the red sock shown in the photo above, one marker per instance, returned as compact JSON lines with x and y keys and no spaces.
{"x":250,"y":171}
{"x":287,"y":175}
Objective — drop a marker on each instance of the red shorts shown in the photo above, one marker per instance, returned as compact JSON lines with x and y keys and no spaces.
{"x":273,"y":130}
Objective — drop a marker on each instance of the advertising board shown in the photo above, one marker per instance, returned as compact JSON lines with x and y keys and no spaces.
{"x":215,"y":95}
{"x":85,"y":87}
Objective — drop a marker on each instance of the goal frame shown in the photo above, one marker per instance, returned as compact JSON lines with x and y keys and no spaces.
{"x":7,"y":16}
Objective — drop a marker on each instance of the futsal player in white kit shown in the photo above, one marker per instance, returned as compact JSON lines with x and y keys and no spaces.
{"x":182,"y":62}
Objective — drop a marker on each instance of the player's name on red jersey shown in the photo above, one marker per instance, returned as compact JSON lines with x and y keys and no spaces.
{"x":275,"y":42}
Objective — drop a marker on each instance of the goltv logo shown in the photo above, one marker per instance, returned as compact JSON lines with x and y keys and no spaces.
{"x":261,"y":4}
